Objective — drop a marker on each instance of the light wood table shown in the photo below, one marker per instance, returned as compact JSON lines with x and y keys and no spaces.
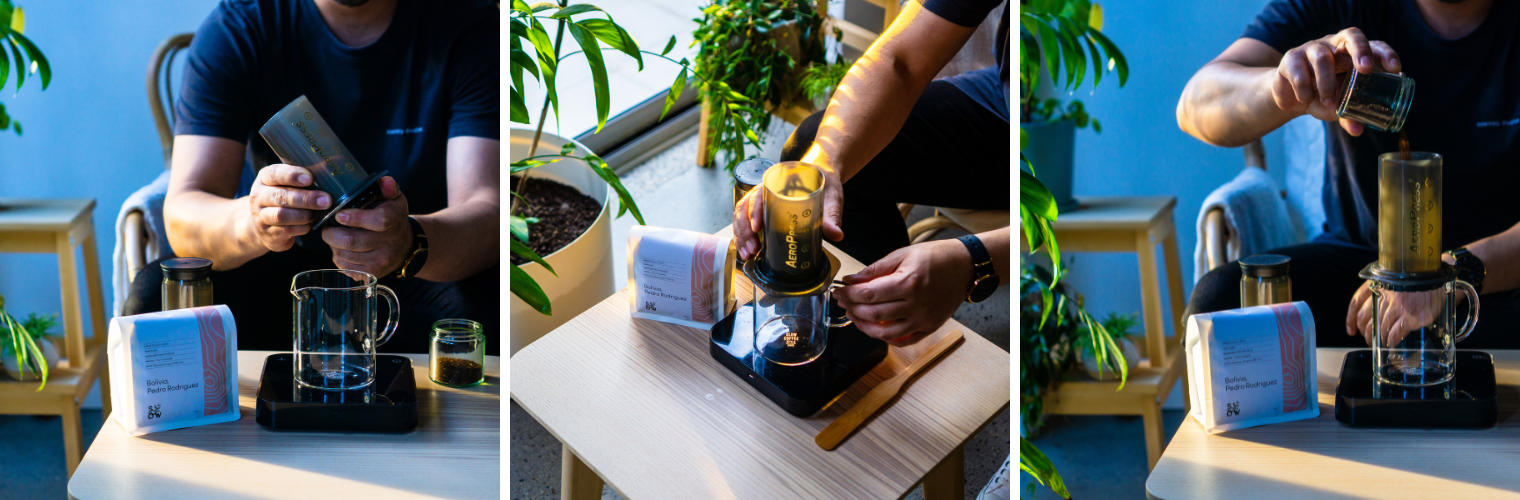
{"x":1136,"y":225}
{"x":643,"y":405}
{"x":1323,"y":458}
{"x":57,"y":227}
{"x":455,"y":452}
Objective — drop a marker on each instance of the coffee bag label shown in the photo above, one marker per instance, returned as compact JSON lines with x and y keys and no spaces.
{"x":678,"y":276}
{"x":1252,"y":366}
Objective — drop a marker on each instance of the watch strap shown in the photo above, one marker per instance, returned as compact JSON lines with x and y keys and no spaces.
{"x":1470,"y":268}
{"x":416,"y":257}
{"x":981,"y":265}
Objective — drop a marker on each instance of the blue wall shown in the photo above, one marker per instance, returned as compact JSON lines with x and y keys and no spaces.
{"x":90,"y":134}
{"x":1141,"y":151}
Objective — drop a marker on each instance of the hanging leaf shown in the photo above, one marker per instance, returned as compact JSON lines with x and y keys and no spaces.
{"x":1034,"y":462}
{"x":547,"y":62}
{"x":1116,"y":58}
{"x":525,"y":288}
{"x":523,"y":251}
{"x":615,"y":37}
{"x":18,"y":21}
{"x":670,"y":45}
{"x":519,"y":113}
{"x":519,"y":228}
{"x":593,"y":53}
{"x":625,"y":200}
{"x":675,"y":91}
{"x":20,"y":64}
{"x":579,"y":8}
{"x":1095,"y":17}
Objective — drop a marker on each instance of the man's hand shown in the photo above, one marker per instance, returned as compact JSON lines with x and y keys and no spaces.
{"x":376,"y":240}
{"x":909,"y":293}
{"x":749,"y":214}
{"x":1402,"y":312}
{"x":1307,"y":79}
{"x":280,"y":210}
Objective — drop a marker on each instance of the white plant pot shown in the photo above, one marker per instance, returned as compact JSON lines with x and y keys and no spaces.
{"x":13,"y":367}
{"x":1131,"y":360}
{"x":584,"y":266}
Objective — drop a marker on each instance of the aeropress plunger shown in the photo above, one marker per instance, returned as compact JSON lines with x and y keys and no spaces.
{"x":300,"y":137}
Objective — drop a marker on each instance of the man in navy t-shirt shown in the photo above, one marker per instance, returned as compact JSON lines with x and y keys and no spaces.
{"x":411,"y":87}
{"x":1465,"y":59}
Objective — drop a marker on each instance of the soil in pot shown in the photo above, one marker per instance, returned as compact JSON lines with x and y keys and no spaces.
{"x":563,"y":214}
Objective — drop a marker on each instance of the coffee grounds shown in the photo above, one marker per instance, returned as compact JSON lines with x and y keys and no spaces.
{"x":455,"y":371}
{"x":563,"y":214}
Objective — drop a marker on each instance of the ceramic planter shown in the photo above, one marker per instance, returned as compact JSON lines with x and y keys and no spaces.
{"x":584,"y":266}
{"x":1051,"y":150}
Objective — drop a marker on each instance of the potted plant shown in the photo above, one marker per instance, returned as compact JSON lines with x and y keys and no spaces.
{"x":12,"y":25}
{"x":25,"y":350}
{"x":1053,"y":33}
{"x":561,"y":230}
{"x":773,"y":52}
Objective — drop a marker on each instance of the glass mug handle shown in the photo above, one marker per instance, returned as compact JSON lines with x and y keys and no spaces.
{"x":1472,"y":309}
{"x":828,"y":302}
{"x":395,"y":317}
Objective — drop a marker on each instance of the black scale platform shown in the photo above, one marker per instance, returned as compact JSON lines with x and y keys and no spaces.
{"x":1468,"y":400}
{"x":389,"y":404}
{"x":804,"y":389}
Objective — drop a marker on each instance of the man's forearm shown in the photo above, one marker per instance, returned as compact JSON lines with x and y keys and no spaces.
{"x":1498,"y":253}
{"x":201,"y":224}
{"x":1229,"y":104}
{"x":998,"y":243}
{"x":864,"y":114}
{"x":462,"y":240}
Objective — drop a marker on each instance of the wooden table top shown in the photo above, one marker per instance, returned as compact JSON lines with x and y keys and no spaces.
{"x":19,"y":214}
{"x":455,"y":452}
{"x":1323,"y":458}
{"x":647,"y":408}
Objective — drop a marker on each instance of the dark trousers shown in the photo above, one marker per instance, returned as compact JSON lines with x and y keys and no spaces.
{"x":951,"y":153}
{"x":258,"y":293}
{"x":1324,"y":276}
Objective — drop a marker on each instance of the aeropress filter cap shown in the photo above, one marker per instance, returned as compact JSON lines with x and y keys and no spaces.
{"x":300,"y":137}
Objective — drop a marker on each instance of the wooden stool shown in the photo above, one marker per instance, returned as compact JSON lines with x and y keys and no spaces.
{"x":1131,"y":224}
{"x":56,"y":226}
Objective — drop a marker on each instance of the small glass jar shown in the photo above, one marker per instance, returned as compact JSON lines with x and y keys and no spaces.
{"x":457,"y":353}
{"x":1264,"y":280}
{"x":1379,"y":100}
{"x":187,"y":283}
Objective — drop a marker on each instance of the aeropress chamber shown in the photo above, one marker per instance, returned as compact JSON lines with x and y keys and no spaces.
{"x":300,"y":137}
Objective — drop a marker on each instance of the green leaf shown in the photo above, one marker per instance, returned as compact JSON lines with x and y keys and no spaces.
{"x":547,"y":62}
{"x":1052,"y":49}
{"x":1076,"y":61}
{"x":670,"y":45}
{"x":519,"y":112}
{"x":16,"y":125}
{"x":615,"y":37}
{"x":543,"y":6}
{"x":520,"y":228}
{"x":521,"y":6}
{"x":528,"y":290}
{"x":20,"y":64}
{"x":1036,"y":197}
{"x":625,"y":200}
{"x":1120,"y":65}
{"x":1032,"y":233}
{"x":5,"y":69}
{"x":1097,"y":60}
{"x":579,"y":8}
{"x":523,"y":251}
{"x":522,"y":165}
{"x":1034,"y":462}
{"x":593,"y":52}
{"x":567,"y":149}
{"x":675,"y":91}
{"x":44,"y":70}
{"x":522,"y":61}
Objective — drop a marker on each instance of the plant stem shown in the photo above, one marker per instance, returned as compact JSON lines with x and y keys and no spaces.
{"x":559,"y":36}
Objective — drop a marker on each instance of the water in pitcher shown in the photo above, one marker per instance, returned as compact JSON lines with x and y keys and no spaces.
{"x":1421,"y":358}
{"x":328,"y":370}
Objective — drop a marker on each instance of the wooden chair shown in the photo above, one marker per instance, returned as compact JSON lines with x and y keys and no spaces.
{"x":161,"y":103}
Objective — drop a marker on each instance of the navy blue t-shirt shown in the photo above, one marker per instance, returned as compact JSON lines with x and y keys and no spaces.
{"x":1466,"y":107}
{"x":433,"y":75}
{"x":988,"y":87}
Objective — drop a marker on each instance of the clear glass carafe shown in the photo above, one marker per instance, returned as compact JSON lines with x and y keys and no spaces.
{"x":1416,"y":332}
{"x":792,"y":330}
{"x":336,"y":315}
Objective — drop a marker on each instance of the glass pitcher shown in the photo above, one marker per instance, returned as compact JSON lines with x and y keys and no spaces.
{"x":1416,"y":332}
{"x":335,"y":327}
{"x":792,"y":330}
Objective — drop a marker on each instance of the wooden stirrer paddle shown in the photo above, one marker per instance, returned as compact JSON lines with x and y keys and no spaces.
{"x":852,"y":419}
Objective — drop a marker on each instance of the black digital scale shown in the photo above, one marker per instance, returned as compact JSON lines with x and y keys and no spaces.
{"x":1468,"y":400}
{"x":389,"y":404}
{"x":803,"y":389}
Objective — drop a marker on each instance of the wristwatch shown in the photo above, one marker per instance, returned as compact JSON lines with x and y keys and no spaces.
{"x":984,"y":279}
{"x":417,"y":256}
{"x":1469,"y":268}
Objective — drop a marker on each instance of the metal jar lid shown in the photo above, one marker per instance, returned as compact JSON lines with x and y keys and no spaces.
{"x":751,"y":172}
{"x":186,"y":268}
{"x":1265,"y":266}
